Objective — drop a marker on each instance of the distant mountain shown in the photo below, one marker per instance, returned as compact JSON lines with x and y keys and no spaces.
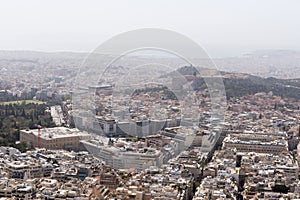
{"x":267,"y":63}
{"x":185,"y":70}
{"x":263,"y":63}
{"x":35,"y":55}
{"x":237,"y":79}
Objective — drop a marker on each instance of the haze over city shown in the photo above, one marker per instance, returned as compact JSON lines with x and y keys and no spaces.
{"x":149,"y":100}
{"x":223,"y":28}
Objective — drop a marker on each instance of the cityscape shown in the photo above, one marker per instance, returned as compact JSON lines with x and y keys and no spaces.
{"x":148,"y":113}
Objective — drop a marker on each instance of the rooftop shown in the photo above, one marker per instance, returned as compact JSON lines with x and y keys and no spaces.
{"x":56,"y":132}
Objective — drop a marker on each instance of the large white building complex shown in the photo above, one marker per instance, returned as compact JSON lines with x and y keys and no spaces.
{"x":155,"y":150}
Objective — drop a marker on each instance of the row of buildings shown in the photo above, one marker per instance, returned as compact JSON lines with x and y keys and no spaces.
{"x":258,"y":158}
{"x":54,"y":174}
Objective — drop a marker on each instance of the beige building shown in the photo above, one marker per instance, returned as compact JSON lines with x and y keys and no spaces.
{"x":54,"y":138}
{"x":256,"y":143}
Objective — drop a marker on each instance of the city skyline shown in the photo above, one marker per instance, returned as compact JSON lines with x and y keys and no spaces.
{"x":223,"y":28}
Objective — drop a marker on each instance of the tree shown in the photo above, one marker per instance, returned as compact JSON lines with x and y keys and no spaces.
{"x":22,"y":146}
{"x":23,"y":113}
{"x":14,"y":124}
{"x":280,"y":189}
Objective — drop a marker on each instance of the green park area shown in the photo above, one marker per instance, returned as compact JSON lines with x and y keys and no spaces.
{"x":19,"y":115}
{"x":20,"y":102}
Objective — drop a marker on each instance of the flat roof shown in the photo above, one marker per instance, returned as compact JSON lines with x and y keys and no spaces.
{"x":57,"y":132}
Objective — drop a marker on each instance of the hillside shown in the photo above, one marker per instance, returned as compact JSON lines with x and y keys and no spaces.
{"x":237,"y":85}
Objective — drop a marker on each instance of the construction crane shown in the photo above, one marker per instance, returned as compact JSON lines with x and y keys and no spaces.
{"x":39,"y":135}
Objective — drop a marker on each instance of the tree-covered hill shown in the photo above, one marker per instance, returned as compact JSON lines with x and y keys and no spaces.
{"x":237,"y":85}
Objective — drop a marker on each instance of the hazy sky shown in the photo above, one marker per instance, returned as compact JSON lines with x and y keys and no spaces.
{"x":223,"y":27}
